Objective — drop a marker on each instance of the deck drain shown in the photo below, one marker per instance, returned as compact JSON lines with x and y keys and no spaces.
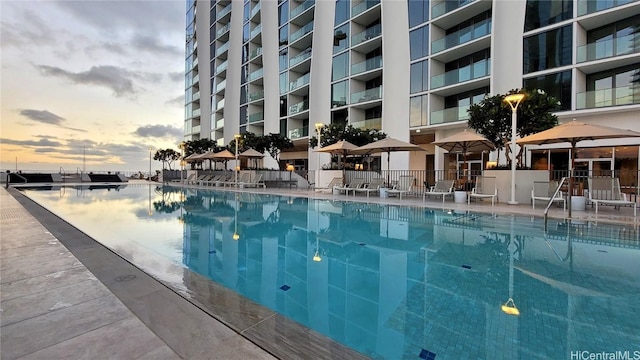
{"x":123,"y":278}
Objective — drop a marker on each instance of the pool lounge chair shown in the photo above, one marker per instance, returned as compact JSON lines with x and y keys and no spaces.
{"x":189,"y":179}
{"x":335,"y":182}
{"x":485,"y":188}
{"x":373,"y":187}
{"x":606,"y":191}
{"x":442,"y":188}
{"x":405,"y":184}
{"x":255,"y":182}
{"x":204,"y":180}
{"x":242,"y":178}
{"x":353,"y":184}
{"x":544,"y":190}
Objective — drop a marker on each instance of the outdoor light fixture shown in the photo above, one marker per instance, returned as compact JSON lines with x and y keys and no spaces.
{"x":513,"y":100}
{"x":237,"y":137}
{"x":150,"y":150}
{"x":319,"y":127}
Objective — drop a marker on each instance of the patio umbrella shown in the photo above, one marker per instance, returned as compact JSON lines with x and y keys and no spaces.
{"x":465,"y":142}
{"x":387,"y":145}
{"x":573,"y":132}
{"x":342,"y":147}
{"x":251,"y":154}
{"x":224,"y":155}
{"x":207,"y":156}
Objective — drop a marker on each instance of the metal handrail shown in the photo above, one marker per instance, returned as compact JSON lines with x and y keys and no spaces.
{"x":569,"y":245}
{"x":62,"y":174}
{"x":555,"y":193}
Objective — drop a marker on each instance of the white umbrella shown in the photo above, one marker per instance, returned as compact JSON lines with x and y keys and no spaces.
{"x":387,"y":145}
{"x":465,"y":142}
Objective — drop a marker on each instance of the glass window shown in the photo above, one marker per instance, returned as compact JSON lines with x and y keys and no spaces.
{"x":283,"y":13}
{"x":548,"y":50}
{"x":418,"y":12}
{"x":243,"y":115}
{"x":340,"y":68}
{"x":245,"y":32}
{"x":284,"y":62}
{"x":284,"y":83}
{"x":243,"y":94}
{"x":419,"y":43}
{"x":557,"y":85}
{"x":284,"y":35}
{"x":339,"y":92}
{"x":540,"y":13}
{"x":247,"y":10}
{"x":418,"y":111}
{"x":342,"y":11}
{"x":341,"y":38}
{"x":419,"y":76}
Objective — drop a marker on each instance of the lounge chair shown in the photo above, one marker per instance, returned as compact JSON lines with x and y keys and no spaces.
{"x":204,"y":180}
{"x":189,"y":179}
{"x":544,"y":190}
{"x":353,"y":184}
{"x":335,"y":182}
{"x":197,"y":180}
{"x":606,"y":191}
{"x":373,"y":187}
{"x":212,"y":181}
{"x":255,"y":182}
{"x":485,"y":188}
{"x":405,"y":184}
{"x":442,"y":188}
{"x":244,"y":177}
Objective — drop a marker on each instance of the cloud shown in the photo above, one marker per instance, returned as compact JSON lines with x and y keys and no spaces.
{"x":43,"y":116}
{"x":178,"y":101}
{"x":176,"y":76}
{"x":151,"y":44}
{"x":31,"y":143}
{"x":112,"y":77}
{"x":159,"y":131}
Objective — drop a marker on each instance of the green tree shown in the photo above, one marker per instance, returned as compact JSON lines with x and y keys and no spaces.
{"x":167,"y":156}
{"x":335,"y":132}
{"x":492,"y":117}
{"x":198,"y":147}
{"x":275,"y":144}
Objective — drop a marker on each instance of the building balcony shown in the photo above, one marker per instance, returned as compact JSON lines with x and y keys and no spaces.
{"x":367,"y":65}
{"x":257,"y":95}
{"x":591,"y":6}
{"x":195,"y":129}
{"x":363,"y":6}
{"x":366,"y":35}
{"x":256,"y":74}
{"x":194,"y":64}
{"x":256,"y":30}
{"x":301,"y":32}
{"x":449,"y":115}
{"x":298,"y":133}
{"x":605,"y":49}
{"x":256,"y":117}
{"x":196,"y":79}
{"x":447,"y":6}
{"x":255,"y":53}
{"x":368,"y":124}
{"x":627,"y":95}
{"x":300,"y":82}
{"x":304,"y":55}
{"x":301,"y":8}
{"x":223,"y":12}
{"x":195,"y":113}
{"x":222,"y":67}
{"x":219,"y":123}
{"x":471,"y":72}
{"x":223,"y":30}
{"x":196,"y":96}
{"x":255,"y":10}
{"x":367,"y":95}
{"x":221,"y":86}
{"x":220,"y":105}
{"x":299,"y":107}
{"x":222,"y":49}
{"x":462,"y":36}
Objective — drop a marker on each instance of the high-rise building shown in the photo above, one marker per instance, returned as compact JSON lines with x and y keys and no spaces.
{"x":409,"y":68}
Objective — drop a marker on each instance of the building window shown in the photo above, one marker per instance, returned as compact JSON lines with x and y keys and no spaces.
{"x":283,"y":13}
{"x":418,"y":111}
{"x":284,"y":59}
{"x":284,"y":35}
{"x":557,"y":85}
{"x":342,"y":11}
{"x":540,"y":13}
{"x":284,"y":83}
{"x":611,"y":88}
{"x":419,"y":42}
{"x":341,"y":38}
{"x":548,"y":50}
{"x":418,"y":12}
{"x":340,"y":68}
{"x":243,"y":115}
{"x":419,"y":76}
{"x":339,"y":94}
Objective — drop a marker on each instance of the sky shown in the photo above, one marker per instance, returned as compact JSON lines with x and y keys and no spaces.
{"x":90,"y":85}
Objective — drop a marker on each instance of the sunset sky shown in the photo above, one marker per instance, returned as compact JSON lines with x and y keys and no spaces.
{"x":90,"y":83}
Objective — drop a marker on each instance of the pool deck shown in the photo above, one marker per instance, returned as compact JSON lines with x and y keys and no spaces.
{"x":63,"y":295}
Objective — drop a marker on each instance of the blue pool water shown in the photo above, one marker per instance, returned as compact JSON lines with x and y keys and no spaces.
{"x":391,"y":282}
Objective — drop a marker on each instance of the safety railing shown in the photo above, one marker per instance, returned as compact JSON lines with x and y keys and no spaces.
{"x":553,"y":197}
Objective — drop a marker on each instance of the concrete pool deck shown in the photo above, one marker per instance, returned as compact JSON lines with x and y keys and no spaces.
{"x":66,"y":296}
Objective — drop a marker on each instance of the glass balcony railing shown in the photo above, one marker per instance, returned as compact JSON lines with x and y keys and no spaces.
{"x":196,"y":96}
{"x":255,"y":10}
{"x":195,"y":63}
{"x":221,"y":49}
{"x":627,"y":95}
{"x":221,"y":86}
{"x":222,"y":67}
{"x":300,"y":57}
{"x":196,"y":113}
{"x":474,"y":71}
{"x":449,"y":115}
{"x":299,"y":107}
{"x":368,"y":124}
{"x":257,"y":95}
{"x":447,"y":6}
{"x":301,"y":8}
{"x":256,"y":117}
{"x":590,"y":6}
{"x":368,"y":34}
{"x":367,"y":65}
{"x":223,"y":12}
{"x":301,"y":32}
{"x":614,"y":47}
{"x":363,"y":6}
{"x":462,"y":36}
{"x":195,"y":129}
{"x":298,"y":133}
{"x":256,"y":30}
{"x":220,"y":105}
{"x":255,"y":53}
{"x":301,"y":81}
{"x":256,"y":74}
{"x":223,"y":30}
{"x":367,"y":95}
{"x":196,"y":79}
{"x":219,"y":123}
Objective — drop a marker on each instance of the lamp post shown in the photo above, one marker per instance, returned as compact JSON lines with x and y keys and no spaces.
{"x":513,"y":100}
{"x":150,"y":150}
{"x":319,"y":127}
{"x":237,"y":137}
{"x":181,"y":146}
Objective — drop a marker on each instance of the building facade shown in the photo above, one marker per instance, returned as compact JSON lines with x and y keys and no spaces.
{"x":411,"y":69}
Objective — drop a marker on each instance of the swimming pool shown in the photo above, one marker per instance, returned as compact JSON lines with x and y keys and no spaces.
{"x":388,"y":281}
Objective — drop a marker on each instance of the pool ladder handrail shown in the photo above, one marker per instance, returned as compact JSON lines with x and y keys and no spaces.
{"x":555,"y":193}
{"x":569,"y":244}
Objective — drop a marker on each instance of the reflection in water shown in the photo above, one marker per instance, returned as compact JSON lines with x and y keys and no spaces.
{"x":388,"y":281}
